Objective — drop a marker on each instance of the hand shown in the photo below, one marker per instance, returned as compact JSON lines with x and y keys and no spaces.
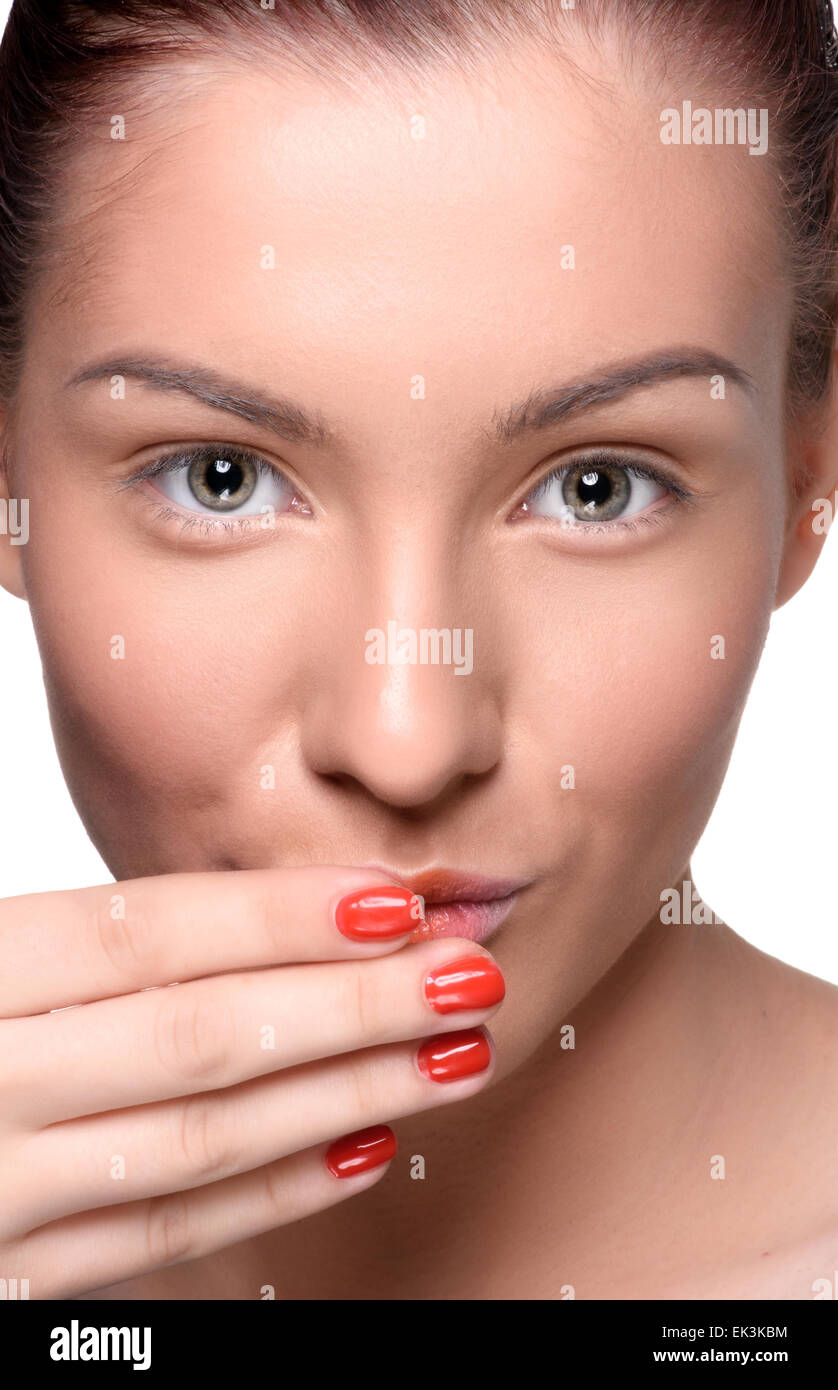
{"x":148,"y":1125}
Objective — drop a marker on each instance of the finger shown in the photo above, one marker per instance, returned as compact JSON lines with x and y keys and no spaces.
{"x":98,"y":1248}
{"x":60,"y":949}
{"x":187,"y":1143}
{"x":214,"y":1033}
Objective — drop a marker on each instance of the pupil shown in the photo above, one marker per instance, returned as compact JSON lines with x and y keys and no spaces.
{"x":594,"y":489}
{"x":223,"y":478}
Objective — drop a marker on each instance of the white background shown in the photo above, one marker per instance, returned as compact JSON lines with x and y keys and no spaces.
{"x":767,"y":862}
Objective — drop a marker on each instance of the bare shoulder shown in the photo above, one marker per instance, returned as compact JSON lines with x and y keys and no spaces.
{"x":767,"y":1227}
{"x":802,"y":1013}
{"x":805,"y":1270}
{"x":789,"y":1093}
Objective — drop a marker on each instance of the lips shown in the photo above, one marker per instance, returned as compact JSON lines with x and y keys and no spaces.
{"x":475,"y":921}
{"x":466,"y":905}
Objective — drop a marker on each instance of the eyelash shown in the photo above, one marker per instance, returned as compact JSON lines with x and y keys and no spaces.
{"x":681,"y":495}
{"x":182,"y":458}
{"x":206,"y":525}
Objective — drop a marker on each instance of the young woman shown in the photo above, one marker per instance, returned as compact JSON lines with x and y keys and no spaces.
{"x":420,"y":411}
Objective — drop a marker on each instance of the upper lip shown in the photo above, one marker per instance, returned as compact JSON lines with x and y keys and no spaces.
{"x":453,"y":885}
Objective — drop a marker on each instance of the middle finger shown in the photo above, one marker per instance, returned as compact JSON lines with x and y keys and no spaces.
{"x":213,"y":1033}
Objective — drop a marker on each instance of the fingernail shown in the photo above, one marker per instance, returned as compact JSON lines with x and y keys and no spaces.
{"x":358,"y":1152}
{"x":454,"y":1055}
{"x":377,"y":914}
{"x":470,"y":982}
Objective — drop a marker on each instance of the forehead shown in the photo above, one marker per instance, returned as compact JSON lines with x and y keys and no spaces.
{"x":464,"y":227}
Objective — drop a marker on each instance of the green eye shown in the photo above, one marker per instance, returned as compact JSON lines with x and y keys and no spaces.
{"x":223,"y":483}
{"x":596,"y":494}
{"x":595,"y":491}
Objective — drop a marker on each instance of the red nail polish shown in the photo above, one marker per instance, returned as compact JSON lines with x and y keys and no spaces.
{"x":358,"y":1152}
{"x":454,"y":1055}
{"x":470,"y":982}
{"x":377,"y":914}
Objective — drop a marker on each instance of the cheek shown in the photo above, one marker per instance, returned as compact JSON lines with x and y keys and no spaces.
{"x":165,"y":670}
{"x":641,"y":676}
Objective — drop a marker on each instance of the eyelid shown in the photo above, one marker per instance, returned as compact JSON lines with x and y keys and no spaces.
{"x":615,"y":457}
{"x":181,"y":456}
{"x":617,"y":529}
{"x":177,"y":459}
{"x":206,"y":525}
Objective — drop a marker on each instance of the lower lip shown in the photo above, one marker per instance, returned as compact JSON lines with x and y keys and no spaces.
{"x":474,"y":921}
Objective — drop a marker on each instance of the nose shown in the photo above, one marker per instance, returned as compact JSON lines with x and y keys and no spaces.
{"x":409,"y":734}
{"x":408,"y":712}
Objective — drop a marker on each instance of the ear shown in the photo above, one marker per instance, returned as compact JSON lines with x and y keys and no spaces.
{"x":14,"y":523}
{"x":813,"y":505}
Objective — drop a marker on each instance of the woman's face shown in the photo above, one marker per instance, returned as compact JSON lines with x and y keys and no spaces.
{"x":395,"y":270}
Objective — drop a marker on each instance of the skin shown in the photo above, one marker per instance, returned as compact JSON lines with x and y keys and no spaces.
{"x":437,"y":257}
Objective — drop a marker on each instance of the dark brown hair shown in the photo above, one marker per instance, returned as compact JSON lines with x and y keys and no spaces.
{"x":63,"y":63}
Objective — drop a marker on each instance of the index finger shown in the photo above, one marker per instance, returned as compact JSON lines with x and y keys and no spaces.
{"x":65,"y":948}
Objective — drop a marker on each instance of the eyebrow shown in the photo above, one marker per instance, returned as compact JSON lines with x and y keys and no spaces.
{"x":537,"y":411}
{"x":284,"y":417}
{"x":543,"y":408}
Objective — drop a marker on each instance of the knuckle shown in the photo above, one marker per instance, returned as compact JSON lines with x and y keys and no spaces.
{"x":271,"y":916}
{"x":364,"y":1090}
{"x":24,"y":1185}
{"x":124,"y":936}
{"x":167,"y":1234}
{"x":208,"y":1148}
{"x":194,"y":1035}
{"x":361,"y":1003}
{"x":276,"y":1193}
